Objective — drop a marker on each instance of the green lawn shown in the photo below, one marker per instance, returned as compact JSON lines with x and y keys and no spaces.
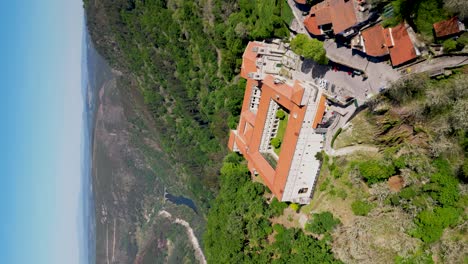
{"x":286,"y":12}
{"x":281,"y":130}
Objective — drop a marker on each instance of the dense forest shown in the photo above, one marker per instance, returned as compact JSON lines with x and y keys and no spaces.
{"x":240,"y":231}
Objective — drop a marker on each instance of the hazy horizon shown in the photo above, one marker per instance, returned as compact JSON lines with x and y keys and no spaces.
{"x":42,"y":117}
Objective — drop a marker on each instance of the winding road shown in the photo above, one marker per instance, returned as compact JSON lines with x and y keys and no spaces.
{"x":193,"y":239}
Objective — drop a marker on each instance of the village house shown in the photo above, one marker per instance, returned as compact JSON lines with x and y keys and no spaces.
{"x":448,"y":28}
{"x":337,"y":17}
{"x":379,"y":42}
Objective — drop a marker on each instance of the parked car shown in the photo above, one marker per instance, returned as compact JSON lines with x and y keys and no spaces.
{"x":357,"y":72}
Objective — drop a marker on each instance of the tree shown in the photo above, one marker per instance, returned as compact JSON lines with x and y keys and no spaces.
{"x":275,"y":142}
{"x":280,"y":114}
{"x":322,"y":223}
{"x":431,"y":223}
{"x":465,"y":168}
{"x":297,"y":44}
{"x":450,"y":45}
{"x":374,"y":171}
{"x":459,"y":115}
{"x":277,"y":207}
{"x":457,"y":6}
{"x":309,"y":48}
{"x":295,"y":207}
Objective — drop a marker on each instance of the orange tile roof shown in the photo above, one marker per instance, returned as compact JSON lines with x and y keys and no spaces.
{"x":288,"y":147}
{"x":374,"y":41}
{"x":314,"y":9}
{"x":320,"y":112}
{"x":248,"y":132}
{"x":302,"y":2}
{"x":249,"y":59}
{"x":311,"y":25}
{"x":265,"y":170}
{"x":298,"y":93}
{"x":280,"y":88}
{"x":388,"y":38}
{"x":446,"y":27}
{"x":323,"y":16}
{"x":403,"y":49}
{"x":249,"y":117}
{"x":250,"y":129}
{"x":343,"y":15}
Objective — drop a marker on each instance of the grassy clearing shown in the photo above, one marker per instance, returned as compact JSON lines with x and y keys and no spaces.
{"x":280,"y":134}
{"x":360,"y":131}
{"x":286,"y":12}
{"x":337,"y":189}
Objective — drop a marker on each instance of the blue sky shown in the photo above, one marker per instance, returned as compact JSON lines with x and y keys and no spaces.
{"x":41,"y":129}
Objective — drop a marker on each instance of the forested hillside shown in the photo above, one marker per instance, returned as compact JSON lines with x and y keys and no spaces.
{"x":240,"y":231}
{"x":183,"y":56}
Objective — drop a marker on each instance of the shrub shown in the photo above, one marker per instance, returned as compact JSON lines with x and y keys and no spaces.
{"x":336,"y":171}
{"x":233,"y":157}
{"x":374,"y":171}
{"x":324,"y":185}
{"x":395,"y":200}
{"x":278,"y":228}
{"x":277,"y":207}
{"x":462,"y":41}
{"x":276,"y":142}
{"x":431,"y":223}
{"x":399,"y":162}
{"x":465,"y":168}
{"x":280,"y":114}
{"x":319,"y":156}
{"x":361,"y":208}
{"x":408,"y":193}
{"x":444,"y":185}
{"x":342,"y":194}
{"x":295,"y":207}
{"x":337,"y":133}
{"x":449,"y":45}
{"x":322,"y":223}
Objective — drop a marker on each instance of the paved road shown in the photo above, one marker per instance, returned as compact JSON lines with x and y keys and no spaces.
{"x":340,"y":121}
{"x":379,"y":73}
{"x":437,"y":64}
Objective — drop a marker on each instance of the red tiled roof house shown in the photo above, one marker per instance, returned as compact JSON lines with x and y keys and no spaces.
{"x":334,"y":15}
{"x":377,"y":41}
{"x":448,"y":28}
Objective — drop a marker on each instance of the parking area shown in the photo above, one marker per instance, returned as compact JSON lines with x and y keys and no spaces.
{"x":348,"y":85}
{"x":343,"y":81}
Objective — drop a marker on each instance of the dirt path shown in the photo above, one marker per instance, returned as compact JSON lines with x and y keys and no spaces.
{"x":349,"y":150}
{"x":198,"y":251}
